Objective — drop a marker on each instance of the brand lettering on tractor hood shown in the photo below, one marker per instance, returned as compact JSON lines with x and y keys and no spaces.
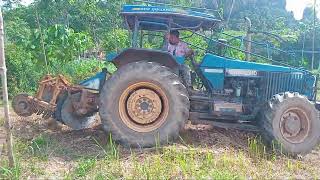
{"x":234,"y":72}
{"x":241,"y":72}
{"x":213,"y":70}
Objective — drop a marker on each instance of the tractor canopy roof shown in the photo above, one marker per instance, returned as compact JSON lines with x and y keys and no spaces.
{"x":158,"y":18}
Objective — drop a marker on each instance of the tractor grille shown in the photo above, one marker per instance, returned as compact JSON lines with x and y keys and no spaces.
{"x":279,"y":82}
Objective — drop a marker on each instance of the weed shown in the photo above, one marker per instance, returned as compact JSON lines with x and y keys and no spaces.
{"x":111,"y":151}
{"x":113,"y":148}
{"x":84,"y":167}
{"x":41,"y":147}
{"x":256,"y":147}
{"x":10,"y":173}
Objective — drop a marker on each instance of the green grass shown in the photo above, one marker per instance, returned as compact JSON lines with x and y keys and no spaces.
{"x":84,"y":167}
{"x":178,"y":161}
{"x":41,"y":147}
{"x":29,"y":156}
{"x":169,"y":163}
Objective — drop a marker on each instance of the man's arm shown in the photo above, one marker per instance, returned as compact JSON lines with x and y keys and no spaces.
{"x":188,"y":51}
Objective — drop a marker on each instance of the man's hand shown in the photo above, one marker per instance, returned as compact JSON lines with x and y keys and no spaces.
{"x":189,"y":53}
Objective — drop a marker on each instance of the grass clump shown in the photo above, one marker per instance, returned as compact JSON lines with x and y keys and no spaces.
{"x":84,"y":167}
{"x":9,"y":173}
{"x":41,"y":147}
{"x":166,"y":163}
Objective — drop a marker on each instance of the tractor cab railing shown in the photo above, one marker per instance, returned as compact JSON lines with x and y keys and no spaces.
{"x":234,"y":47}
{"x":260,"y":51}
{"x":204,"y":23}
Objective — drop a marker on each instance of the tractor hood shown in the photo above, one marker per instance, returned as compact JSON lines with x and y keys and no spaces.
{"x":211,"y":60}
{"x":216,"y":69}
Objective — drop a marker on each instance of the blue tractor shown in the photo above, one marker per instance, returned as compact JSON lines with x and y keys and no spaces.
{"x":151,"y":95}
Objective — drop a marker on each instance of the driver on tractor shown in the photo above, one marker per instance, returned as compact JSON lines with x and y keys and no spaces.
{"x":176,"y":47}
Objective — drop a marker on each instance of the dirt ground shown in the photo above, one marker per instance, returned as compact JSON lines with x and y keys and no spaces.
{"x":70,"y":146}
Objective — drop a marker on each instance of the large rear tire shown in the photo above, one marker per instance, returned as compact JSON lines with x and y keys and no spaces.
{"x":291,"y":123}
{"x":144,"y":104}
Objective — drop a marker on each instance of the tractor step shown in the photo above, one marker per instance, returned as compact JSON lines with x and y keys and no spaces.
{"x":196,"y":118}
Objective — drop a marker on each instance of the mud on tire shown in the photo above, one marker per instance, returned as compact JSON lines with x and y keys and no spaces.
{"x":144,"y":104}
{"x":291,"y":123}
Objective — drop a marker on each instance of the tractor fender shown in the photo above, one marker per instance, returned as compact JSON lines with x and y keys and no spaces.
{"x":135,"y":54}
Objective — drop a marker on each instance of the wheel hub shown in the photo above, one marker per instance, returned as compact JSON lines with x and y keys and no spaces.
{"x":144,"y":106}
{"x":295,"y":125}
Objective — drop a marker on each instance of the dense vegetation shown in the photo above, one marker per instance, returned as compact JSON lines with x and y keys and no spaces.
{"x":64,"y":36}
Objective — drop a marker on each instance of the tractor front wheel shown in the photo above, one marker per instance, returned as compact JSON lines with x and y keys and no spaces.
{"x":143,"y":104}
{"x":291,"y":122}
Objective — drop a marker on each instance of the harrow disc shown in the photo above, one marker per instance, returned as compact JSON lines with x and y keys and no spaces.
{"x":70,"y":118}
{"x":22,"y":106}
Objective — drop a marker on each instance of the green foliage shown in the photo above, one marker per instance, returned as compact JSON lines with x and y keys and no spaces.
{"x":22,"y":72}
{"x":63,"y":31}
{"x":60,"y":44}
{"x":78,"y":70}
{"x":116,"y":40}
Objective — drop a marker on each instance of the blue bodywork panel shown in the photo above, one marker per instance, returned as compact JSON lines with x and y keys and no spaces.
{"x":216,"y":69}
{"x":157,"y":17}
{"x":94,"y":82}
{"x":180,"y":60}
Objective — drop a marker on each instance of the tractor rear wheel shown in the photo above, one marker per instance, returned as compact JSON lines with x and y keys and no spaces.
{"x":144,"y":104}
{"x":291,"y":123}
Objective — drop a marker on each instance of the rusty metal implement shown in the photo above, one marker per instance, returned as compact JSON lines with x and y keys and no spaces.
{"x":50,"y":90}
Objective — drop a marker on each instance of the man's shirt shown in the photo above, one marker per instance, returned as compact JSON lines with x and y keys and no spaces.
{"x":180,"y":49}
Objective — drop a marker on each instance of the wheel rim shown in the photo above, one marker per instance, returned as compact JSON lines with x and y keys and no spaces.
{"x":295,"y":125}
{"x":143,"y":107}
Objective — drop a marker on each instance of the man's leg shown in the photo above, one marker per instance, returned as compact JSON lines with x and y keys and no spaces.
{"x":186,"y":75}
